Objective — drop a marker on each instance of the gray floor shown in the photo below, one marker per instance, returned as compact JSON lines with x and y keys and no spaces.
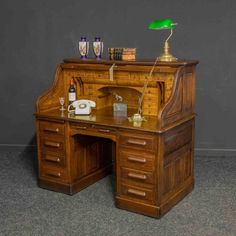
{"x":28,"y":210}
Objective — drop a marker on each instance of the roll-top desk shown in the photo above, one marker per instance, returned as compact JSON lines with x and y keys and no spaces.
{"x":152,"y":161}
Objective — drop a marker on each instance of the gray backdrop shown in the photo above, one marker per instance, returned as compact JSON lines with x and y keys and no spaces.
{"x":36,"y":35}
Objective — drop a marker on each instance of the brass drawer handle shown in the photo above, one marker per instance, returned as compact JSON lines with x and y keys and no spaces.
{"x":136,"y":192}
{"x":81,"y":127}
{"x":57,"y":175}
{"x":136,"y":159}
{"x":137,"y":176}
{"x":100,"y":129}
{"x":51,"y":130}
{"x":137,"y":142}
{"x":52,"y":144}
{"x":53,"y":159}
{"x":104,"y":130}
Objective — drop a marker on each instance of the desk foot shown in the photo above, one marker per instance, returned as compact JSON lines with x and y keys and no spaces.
{"x":57,"y":187}
{"x":76,"y":186}
{"x":137,"y":207}
{"x":156,"y":211}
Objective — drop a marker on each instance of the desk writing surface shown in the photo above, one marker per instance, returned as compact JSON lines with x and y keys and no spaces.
{"x":105,"y":117}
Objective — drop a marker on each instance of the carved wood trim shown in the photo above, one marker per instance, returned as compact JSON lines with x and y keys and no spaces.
{"x":174,"y":101}
{"x":81,"y":84}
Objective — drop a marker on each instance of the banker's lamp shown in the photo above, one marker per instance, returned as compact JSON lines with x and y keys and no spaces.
{"x":160,"y":25}
{"x":137,"y":118}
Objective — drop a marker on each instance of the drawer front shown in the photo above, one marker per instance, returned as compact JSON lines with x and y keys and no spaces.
{"x":55,"y":128}
{"x":93,"y":130}
{"x":53,"y":159}
{"x":138,"y":142}
{"x":55,"y":174}
{"x":96,"y":128}
{"x":136,"y":177}
{"x":137,"y":194}
{"x":80,"y":126}
{"x":52,"y":145}
{"x":137,"y":160}
{"x":103,"y":129}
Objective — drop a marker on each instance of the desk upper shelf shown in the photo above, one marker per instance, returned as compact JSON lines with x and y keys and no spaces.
{"x":169,"y":97}
{"x":144,"y":62}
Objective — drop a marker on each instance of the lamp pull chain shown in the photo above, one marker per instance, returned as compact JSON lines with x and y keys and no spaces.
{"x":145,"y":87}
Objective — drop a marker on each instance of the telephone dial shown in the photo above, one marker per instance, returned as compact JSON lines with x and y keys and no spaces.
{"x":81,"y":107}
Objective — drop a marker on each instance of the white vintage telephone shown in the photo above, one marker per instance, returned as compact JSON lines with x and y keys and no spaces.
{"x":82,"y":107}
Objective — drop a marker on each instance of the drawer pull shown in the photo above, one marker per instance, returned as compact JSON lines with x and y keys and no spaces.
{"x":52,"y":144}
{"x":137,"y":176}
{"x":51,"y":130}
{"x":104,"y":130}
{"x":81,"y":127}
{"x":137,"y":142}
{"x":57,"y":175}
{"x":136,"y":192}
{"x":101,"y":129}
{"x":53,"y":159}
{"x":135,"y":159}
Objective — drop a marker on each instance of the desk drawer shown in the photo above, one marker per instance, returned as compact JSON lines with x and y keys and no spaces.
{"x":47,"y":127}
{"x":140,"y":178}
{"x":92,"y":127}
{"x":103,"y":129}
{"x":93,"y":130}
{"x":137,"y":160}
{"x":53,"y":159}
{"x":55,"y":174}
{"x":79,"y":126}
{"x":51,"y":144}
{"x":137,"y":193}
{"x":142,"y":142}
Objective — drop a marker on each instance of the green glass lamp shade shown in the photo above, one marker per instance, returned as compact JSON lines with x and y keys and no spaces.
{"x":164,"y":24}
{"x":161,"y":24}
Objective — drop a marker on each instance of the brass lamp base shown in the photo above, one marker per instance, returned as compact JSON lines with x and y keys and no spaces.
{"x":166,"y":56}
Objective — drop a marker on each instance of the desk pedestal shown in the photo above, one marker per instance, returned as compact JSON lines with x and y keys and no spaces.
{"x":153,"y":171}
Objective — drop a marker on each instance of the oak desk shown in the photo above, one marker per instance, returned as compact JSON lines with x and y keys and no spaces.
{"x":152,"y":161}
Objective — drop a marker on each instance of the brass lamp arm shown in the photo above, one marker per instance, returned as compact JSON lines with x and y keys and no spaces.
{"x":166,"y":56}
{"x":145,"y":87}
{"x":171,"y":32}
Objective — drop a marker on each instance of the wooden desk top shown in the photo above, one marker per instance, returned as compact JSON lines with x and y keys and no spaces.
{"x":105,"y":117}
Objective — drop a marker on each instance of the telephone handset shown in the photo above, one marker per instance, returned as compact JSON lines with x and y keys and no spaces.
{"x":82,"y":107}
